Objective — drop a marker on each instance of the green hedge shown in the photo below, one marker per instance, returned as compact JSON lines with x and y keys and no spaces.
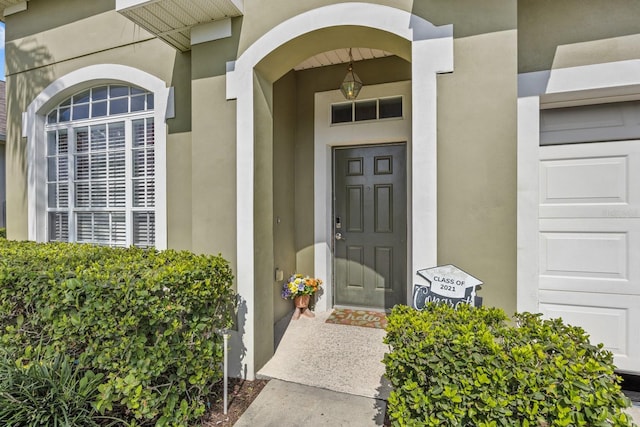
{"x":145,"y":319}
{"x":471,"y":367}
{"x":3,"y":233}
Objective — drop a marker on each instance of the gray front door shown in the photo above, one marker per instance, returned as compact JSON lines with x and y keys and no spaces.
{"x":370,"y":225}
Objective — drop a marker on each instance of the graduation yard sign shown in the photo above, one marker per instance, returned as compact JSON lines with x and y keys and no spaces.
{"x":447,"y":285}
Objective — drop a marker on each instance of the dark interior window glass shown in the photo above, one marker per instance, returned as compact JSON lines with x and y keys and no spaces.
{"x":119,"y":106}
{"x":65,"y":114}
{"x":366,"y":110}
{"x":115,"y":91}
{"x":80,"y":111}
{"x":390,"y":107}
{"x":99,"y":109}
{"x":137,"y":103}
{"x":341,"y":113}
{"x":99,"y":93}
{"x":81,"y":97}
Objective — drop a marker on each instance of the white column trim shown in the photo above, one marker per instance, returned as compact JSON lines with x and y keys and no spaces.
{"x":528,"y":202}
{"x":67,"y":85}
{"x":245,"y":264}
{"x":429,"y":57}
{"x":596,"y":76}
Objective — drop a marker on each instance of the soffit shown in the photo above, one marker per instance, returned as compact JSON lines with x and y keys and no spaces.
{"x":340,"y":56}
{"x":172,"y":20}
{"x":7,"y":3}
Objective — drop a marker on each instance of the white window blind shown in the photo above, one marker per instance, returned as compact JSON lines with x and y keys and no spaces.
{"x":101,"y":168}
{"x":58,"y":185}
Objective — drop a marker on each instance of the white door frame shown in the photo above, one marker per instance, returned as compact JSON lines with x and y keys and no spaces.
{"x":326,"y":137}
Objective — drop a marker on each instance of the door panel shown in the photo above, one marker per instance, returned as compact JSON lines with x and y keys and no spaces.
{"x":370,"y":222}
{"x":589,"y":242}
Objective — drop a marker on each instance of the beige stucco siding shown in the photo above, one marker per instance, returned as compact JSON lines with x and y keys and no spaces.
{"x":213,"y":150}
{"x":477,"y":165}
{"x":569,"y":33}
{"x":179,"y":219}
{"x":85,"y":36}
{"x":2,"y":184}
{"x":213,"y":158}
{"x":284,"y":204}
{"x":16,"y":163}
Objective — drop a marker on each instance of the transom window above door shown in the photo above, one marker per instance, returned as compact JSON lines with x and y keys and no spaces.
{"x":100,"y":160}
{"x":368,"y":109}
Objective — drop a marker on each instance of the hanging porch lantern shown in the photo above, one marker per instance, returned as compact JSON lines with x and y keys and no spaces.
{"x":351,"y":84}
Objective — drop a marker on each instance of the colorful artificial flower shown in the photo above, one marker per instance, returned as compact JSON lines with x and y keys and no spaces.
{"x":299,"y":285}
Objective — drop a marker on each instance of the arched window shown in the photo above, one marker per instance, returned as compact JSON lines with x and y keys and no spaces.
{"x":101,"y":167}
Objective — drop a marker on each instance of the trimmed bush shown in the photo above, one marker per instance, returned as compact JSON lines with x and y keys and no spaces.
{"x":3,"y":233}
{"x":145,"y":319}
{"x":470,"y":367}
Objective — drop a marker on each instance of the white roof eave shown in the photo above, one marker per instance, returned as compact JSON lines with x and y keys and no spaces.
{"x":172,"y":20}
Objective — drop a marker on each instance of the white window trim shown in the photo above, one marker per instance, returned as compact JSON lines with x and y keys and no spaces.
{"x":34,"y":130}
{"x":583,"y":85}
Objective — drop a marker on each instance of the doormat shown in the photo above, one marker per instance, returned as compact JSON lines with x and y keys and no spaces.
{"x":369,"y":319}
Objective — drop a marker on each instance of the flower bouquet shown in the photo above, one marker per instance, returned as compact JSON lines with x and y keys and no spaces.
{"x":300,"y":289}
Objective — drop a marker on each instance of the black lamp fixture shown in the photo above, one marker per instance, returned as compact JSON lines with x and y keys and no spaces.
{"x":351,"y":84}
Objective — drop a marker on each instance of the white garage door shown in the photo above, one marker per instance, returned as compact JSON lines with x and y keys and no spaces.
{"x":589,"y":225}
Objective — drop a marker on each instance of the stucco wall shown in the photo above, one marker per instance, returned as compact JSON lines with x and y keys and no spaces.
{"x":284,"y":168}
{"x":568,"y":33}
{"x":477,"y":164}
{"x":213,"y":151}
{"x":2,"y":185}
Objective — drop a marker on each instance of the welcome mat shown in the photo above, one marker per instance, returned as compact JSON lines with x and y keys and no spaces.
{"x":369,"y":319}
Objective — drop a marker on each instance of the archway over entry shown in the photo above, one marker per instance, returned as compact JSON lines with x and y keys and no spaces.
{"x":249,"y":81}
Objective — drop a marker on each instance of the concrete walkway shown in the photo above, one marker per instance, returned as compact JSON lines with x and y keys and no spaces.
{"x":634,"y":411}
{"x":322,"y":374}
{"x":284,"y":404}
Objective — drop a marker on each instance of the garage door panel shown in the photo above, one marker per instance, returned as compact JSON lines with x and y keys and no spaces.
{"x":584,"y":180}
{"x":586,"y":255}
{"x":608,"y":319}
{"x":599,"y":180}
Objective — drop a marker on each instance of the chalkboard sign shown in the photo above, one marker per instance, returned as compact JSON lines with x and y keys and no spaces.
{"x":447,"y":285}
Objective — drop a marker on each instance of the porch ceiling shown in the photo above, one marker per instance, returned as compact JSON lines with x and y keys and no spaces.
{"x":340,"y":56}
{"x":172,"y":20}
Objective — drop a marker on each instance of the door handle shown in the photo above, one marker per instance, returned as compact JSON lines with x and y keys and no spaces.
{"x":339,"y":236}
